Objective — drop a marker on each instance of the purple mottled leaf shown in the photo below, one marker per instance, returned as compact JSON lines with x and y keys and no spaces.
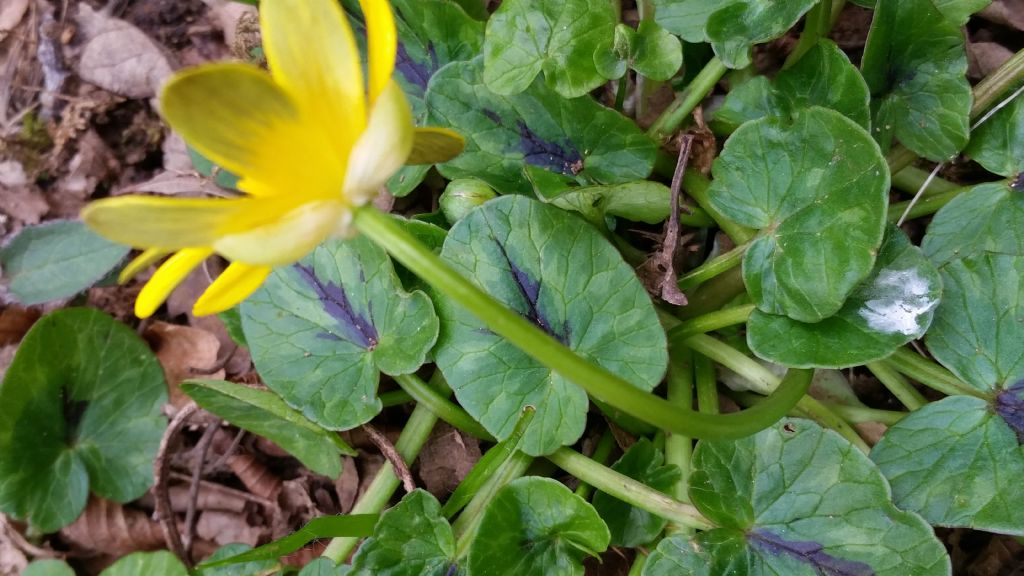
{"x":530,"y":290}
{"x":811,"y":553}
{"x":1010,"y":407}
{"x":355,"y":328}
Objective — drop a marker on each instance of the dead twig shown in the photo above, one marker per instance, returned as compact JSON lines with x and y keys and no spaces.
{"x":161,"y":492}
{"x":670,"y":291}
{"x":391,"y":455}
{"x":193,"y":488}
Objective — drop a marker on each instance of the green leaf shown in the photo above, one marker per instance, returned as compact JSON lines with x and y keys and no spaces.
{"x":892,"y":307}
{"x":56,"y":260}
{"x":687,"y":19}
{"x":956,"y":11}
{"x":915,"y":64}
{"x":160,"y":563}
{"x":411,"y":539}
{"x":350,"y":526}
{"x":257,"y":568}
{"x":630,"y":526}
{"x":79,"y":411}
{"x":563,"y":276}
{"x":232,"y":319}
{"x":640,"y":201}
{"x":205,"y":167}
{"x":538,"y":128}
{"x":48,"y":568}
{"x":262,"y":412}
{"x":321,"y":331}
{"x":536,"y":526}
{"x":325,"y":567}
{"x":649,"y":50}
{"x":998,"y":144}
{"x":987,"y":218}
{"x":823,"y":77}
{"x":524,"y":37}
{"x":817,"y":186}
{"x":737,"y":26}
{"x":797,"y":500}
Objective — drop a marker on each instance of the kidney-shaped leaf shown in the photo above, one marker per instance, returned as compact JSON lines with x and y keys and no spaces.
{"x":738,"y":26}
{"x":892,"y":307}
{"x":987,"y":218}
{"x":322,"y":331}
{"x":536,"y":127}
{"x":536,"y":526}
{"x":564,"y":277}
{"x":79,"y":411}
{"x":998,"y":144}
{"x":797,"y":500}
{"x":160,"y":563}
{"x":411,"y":539}
{"x":817,"y":187}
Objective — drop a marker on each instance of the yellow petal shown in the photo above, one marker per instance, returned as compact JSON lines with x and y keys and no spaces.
{"x":166,"y":278}
{"x":435,"y":145}
{"x":312,"y":53}
{"x":287,"y":239}
{"x":164,"y":223}
{"x":383,"y":147}
{"x":235,"y":284}
{"x":140,"y":263}
{"x":382,"y":44}
{"x":236,"y":115}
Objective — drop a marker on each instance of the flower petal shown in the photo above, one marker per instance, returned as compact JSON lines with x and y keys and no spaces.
{"x":383,"y":147}
{"x":140,"y":263}
{"x":235,"y":284}
{"x":288,"y":238}
{"x":382,"y":44}
{"x":435,"y":145}
{"x":165,"y":223}
{"x":313,"y":55}
{"x":236,"y":116}
{"x":166,"y":278}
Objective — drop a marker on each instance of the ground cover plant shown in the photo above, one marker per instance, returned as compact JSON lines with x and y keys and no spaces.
{"x":597,"y":287}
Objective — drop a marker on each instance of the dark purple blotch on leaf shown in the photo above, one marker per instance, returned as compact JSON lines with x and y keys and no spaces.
{"x":562,"y":158}
{"x":530,"y":291}
{"x":354,"y":327}
{"x":1018,"y":183}
{"x":810,"y":553}
{"x":1009,"y":405}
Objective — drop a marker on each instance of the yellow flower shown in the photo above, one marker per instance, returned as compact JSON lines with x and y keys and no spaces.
{"x":310,"y":141}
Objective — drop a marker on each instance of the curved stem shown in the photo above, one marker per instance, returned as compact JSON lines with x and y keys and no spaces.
{"x":711,"y":268}
{"x":817,"y":24}
{"x":829,"y":419}
{"x":677,"y":112}
{"x":441,"y":406}
{"x":762,"y":380}
{"x":710,"y":322}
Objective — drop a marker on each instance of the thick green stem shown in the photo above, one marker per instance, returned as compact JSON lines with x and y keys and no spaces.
{"x":911,"y":179}
{"x":817,"y":24}
{"x":601,"y":453}
{"x":707,"y":384}
{"x":637,"y":569}
{"x":711,"y":296}
{"x":594,"y":379}
{"x":629,"y":490}
{"x":697,"y":186}
{"x":929,"y":373}
{"x":679,"y":448}
{"x":829,"y":419}
{"x":677,"y":112}
{"x":898,"y":385}
{"x":711,"y":268}
{"x":710,"y":322}
{"x":859,"y":414}
{"x":761,"y":379}
{"x":466,"y":525}
{"x":378,"y":494}
{"x":394,"y":398}
{"x":441,"y":406}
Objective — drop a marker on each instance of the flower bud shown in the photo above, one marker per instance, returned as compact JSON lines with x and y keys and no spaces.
{"x":462,"y":195}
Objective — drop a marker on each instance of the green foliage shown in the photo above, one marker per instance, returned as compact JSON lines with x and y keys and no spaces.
{"x":56,"y":260}
{"x":629,"y":525}
{"x":998,"y":144}
{"x":86,"y":418}
{"x":649,"y":50}
{"x":48,"y":568}
{"x":987,"y":218}
{"x":255,"y":568}
{"x":411,"y":539}
{"x":161,"y":563}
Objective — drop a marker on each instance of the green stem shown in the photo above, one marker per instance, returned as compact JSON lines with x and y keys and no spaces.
{"x":711,"y":296}
{"x":620,"y":92}
{"x":679,"y":448}
{"x":711,"y":268}
{"x":394,"y":398}
{"x":441,"y":406}
{"x":829,"y":419}
{"x":637,"y":569}
{"x":707,"y":384}
{"x":898,"y":385}
{"x":817,"y":24}
{"x":677,"y":112}
{"x":601,"y":453}
{"x":910,"y":180}
{"x":594,"y":379}
{"x":761,"y":380}
{"x":859,"y":414}
{"x":924,"y":206}
{"x":697,"y":186}
{"x":629,"y":490}
{"x":378,"y":494}
{"x":930,"y":374}
{"x":466,"y":525}
{"x":710,"y":322}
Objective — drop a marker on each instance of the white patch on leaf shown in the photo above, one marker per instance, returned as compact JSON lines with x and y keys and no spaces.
{"x":904,"y":298}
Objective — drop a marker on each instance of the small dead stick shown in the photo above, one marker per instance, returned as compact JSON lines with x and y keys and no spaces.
{"x":193,"y":489}
{"x":391,"y":455}
{"x":161,"y":490}
{"x":670,"y":291}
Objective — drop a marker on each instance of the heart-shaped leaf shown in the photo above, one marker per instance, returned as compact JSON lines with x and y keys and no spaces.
{"x":823,"y":77}
{"x":958,"y":462}
{"x":525,"y":37}
{"x":987,"y":218}
{"x":817,"y":186}
{"x":536,"y":526}
{"x":79,"y":412}
{"x":411,"y":539}
{"x":56,"y":260}
{"x":796,"y":500}
{"x":264,"y":413}
{"x":537,"y":128}
{"x":915,"y":64}
{"x":160,"y":563}
{"x":998,"y":144}
{"x":892,"y":307}
{"x":322,"y":331}
{"x":650,"y":50}
{"x":563,"y":276}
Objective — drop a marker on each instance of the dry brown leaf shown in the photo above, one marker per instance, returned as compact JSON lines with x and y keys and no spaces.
{"x":110,"y":528}
{"x":11,"y":13}
{"x":184,"y":352}
{"x":983,"y":58}
{"x":227,"y":15}
{"x":1006,"y":12}
{"x":446,"y":459}
{"x":175,"y":184}
{"x":15,"y":322}
{"x":117,"y":56}
{"x":19,"y":198}
{"x":255,"y":476}
{"x":227,"y":527}
{"x":92,"y":163}
{"x":12,"y":559}
{"x":347,"y":485}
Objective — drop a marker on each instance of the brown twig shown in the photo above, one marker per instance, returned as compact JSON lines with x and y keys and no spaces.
{"x":391,"y":455}
{"x":223,"y":458}
{"x":213,"y":486}
{"x":670,"y":291}
{"x":24,"y":545}
{"x":161,"y":493}
{"x":193,"y":488}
